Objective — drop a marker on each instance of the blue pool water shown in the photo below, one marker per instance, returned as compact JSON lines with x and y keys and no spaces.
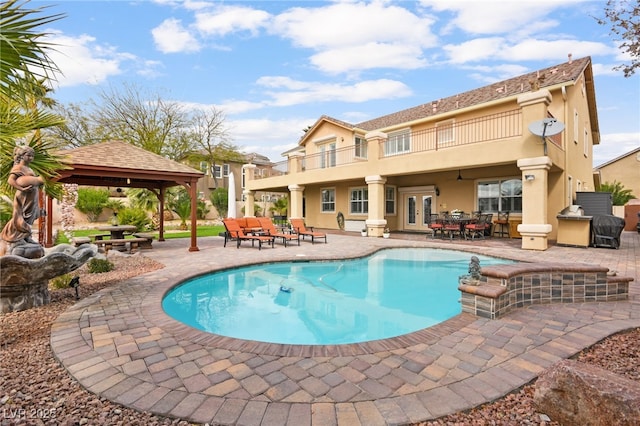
{"x":389,"y":293}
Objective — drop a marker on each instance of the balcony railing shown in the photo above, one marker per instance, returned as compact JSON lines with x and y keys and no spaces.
{"x":488,"y":128}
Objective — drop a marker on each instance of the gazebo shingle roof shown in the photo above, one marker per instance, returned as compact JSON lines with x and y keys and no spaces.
{"x":122,"y":155}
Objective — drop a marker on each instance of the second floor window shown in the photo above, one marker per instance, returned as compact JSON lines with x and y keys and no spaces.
{"x":360,"y":147}
{"x":398,"y":142}
{"x":328,"y":155}
{"x":445,"y":133}
{"x":500,"y":195}
{"x":359,"y":201}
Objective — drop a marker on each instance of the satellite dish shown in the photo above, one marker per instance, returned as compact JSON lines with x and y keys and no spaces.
{"x":546,"y":127}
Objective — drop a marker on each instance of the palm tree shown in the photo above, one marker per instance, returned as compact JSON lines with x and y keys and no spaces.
{"x":25,"y":68}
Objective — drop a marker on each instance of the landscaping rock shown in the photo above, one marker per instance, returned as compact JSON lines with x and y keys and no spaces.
{"x":574,"y":393}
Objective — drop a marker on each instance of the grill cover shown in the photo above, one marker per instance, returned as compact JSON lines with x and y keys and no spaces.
{"x":606,"y":230}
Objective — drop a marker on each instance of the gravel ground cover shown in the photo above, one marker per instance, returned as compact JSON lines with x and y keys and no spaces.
{"x":36,"y":390}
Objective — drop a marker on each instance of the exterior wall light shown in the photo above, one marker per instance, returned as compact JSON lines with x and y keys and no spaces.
{"x":437,"y":191}
{"x":529,"y":177}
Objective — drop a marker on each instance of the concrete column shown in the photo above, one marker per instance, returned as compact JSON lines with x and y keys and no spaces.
{"x":376,"y":221}
{"x":375,"y":140}
{"x":534,"y":108}
{"x":534,"y":228}
{"x":295,"y":162}
{"x":249,"y":203}
{"x":249,"y":196}
{"x":295,"y":209}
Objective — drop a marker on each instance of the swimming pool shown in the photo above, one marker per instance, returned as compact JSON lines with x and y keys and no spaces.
{"x":389,"y":293}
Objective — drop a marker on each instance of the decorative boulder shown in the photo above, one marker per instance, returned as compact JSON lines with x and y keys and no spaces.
{"x":574,"y":393}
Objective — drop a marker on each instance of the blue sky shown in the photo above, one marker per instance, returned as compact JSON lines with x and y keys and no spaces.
{"x":274,"y":67}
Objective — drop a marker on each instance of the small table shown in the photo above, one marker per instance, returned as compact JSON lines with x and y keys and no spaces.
{"x":117,"y":231}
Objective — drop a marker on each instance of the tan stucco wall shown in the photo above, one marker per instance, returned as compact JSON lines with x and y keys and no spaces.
{"x":626,"y":171}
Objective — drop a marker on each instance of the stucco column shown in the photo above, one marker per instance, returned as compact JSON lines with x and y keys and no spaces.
{"x":534,"y":228}
{"x":249,"y":203}
{"x":376,"y":221}
{"x":534,"y":108}
{"x":249,"y":196}
{"x":374,"y":144}
{"x":295,"y":162}
{"x":296,"y":192}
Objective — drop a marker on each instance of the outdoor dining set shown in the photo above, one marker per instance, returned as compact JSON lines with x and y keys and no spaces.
{"x":468,"y":226}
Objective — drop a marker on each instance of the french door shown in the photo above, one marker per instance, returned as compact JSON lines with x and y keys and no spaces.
{"x":417,"y":209}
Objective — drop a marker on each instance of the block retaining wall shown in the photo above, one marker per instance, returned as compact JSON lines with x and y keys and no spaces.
{"x":502,"y":288}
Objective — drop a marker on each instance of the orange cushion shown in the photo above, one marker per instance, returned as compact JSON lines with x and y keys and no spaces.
{"x":242,"y":222}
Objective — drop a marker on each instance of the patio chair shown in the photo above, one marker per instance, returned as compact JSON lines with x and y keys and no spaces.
{"x":270,"y":229}
{"x":235,"y":232}
{"x":436,"y":224}
{"x":501,"y":225}
{"x":298,"y":226}
{"x":454,"y":226}
{"x":476,"y":228}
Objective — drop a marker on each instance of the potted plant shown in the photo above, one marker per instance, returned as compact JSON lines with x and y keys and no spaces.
{"x":386,"y":233}
{"x":363,"y":232}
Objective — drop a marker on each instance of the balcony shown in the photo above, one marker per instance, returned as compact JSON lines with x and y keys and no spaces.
{"x":503,"y":126}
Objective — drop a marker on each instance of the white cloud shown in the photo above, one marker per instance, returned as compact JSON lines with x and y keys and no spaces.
{"x":296,"y":92}
{"x":357,"y":36}
{"x":270,"y":137}
{"x":83,"y":61}
{"x":367,"y":56}
{"x":171,"y":37}
{"x":231,"y":19}
{"x":495,"y":17}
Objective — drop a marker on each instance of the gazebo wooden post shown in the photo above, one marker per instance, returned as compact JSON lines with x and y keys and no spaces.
{"x":49,"y":222}
{"x":161,"y":207}
{"x":193,"y":188}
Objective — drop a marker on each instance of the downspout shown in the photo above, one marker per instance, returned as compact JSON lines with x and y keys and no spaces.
{"x":566,"y":148}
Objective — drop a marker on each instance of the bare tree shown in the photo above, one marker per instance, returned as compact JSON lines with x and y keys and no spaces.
{"x":144,"y":120}
{"x":624,"y":18}
{"x":210,"y":136}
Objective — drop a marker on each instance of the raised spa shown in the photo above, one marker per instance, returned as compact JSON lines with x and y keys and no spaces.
{"x":389,"y":293}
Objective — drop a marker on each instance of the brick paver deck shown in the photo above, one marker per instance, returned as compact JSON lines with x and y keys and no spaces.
{"x":119,"y":344}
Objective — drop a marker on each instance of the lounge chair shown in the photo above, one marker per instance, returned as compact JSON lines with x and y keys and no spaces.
{"x":270,"y":229}
{"x":235,"y":232}
{"x":298,"y":226}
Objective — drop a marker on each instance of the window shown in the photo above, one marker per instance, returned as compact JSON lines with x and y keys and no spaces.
{"x":360,"y":147}
{"x":225,"y":169}
{"x":328,"y":155}
{"x":445,"y":132}
{"x":576,"y":132}
{"x":204,"y":167}
{"x":217,"y":171}
{"x":359,"y":201}
{"x":328,"y":202}
{"x":500,"y":195}
{"x":389,"y":200}
{"x":398,"y":142}
{"x":586,"y":143}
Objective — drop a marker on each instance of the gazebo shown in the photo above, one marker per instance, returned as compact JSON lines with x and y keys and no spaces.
{"x":122,"y":165}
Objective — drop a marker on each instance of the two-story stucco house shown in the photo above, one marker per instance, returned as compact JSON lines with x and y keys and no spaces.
{"x":471,"y":151}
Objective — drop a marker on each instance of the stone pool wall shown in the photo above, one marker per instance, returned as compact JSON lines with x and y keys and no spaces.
{"x":502,"y":288}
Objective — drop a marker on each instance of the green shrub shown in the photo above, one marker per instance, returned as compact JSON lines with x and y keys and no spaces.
{"x":98,"y":266}
{"x":220,"y":200}
{"x":61,"y":281}
{"x":92,"y":202}
{"x":134,"y":216}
